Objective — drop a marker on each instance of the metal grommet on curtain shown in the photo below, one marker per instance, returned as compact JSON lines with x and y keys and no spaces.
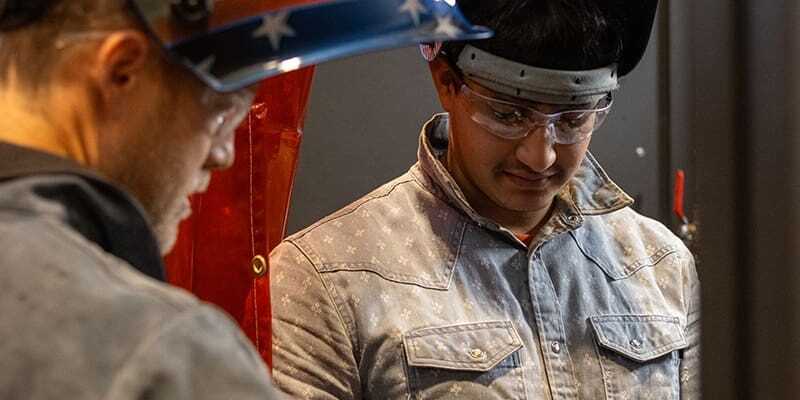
{"x":259,"y":264}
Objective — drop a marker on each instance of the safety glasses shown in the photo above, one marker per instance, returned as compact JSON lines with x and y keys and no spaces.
{"x":514,"y":121}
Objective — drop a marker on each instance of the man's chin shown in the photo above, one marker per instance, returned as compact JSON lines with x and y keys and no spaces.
{"x":166,"y":237}
{"x":166,"y":224}
{"x":526,"y":204}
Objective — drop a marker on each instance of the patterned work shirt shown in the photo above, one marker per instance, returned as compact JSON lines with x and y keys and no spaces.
{"x":409,"y":293}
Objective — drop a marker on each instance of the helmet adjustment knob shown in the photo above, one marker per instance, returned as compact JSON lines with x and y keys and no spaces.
{"x":191,"y":12}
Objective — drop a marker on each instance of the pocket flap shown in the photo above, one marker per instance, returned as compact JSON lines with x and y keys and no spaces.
{"x":639,"y":337}
{"x":470,"y":347}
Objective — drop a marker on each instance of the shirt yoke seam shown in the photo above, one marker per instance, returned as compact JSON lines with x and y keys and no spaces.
{"x":352,"y":208}
{"x":330,"y":290}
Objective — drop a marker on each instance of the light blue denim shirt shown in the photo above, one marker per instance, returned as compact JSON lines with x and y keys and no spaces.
{"x":408,"y":293}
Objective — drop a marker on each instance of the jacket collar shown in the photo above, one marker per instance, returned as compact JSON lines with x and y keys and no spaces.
{"x":96,"y":209}
{"x":590,"y":192}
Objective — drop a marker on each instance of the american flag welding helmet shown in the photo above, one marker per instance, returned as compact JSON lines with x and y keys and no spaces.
{"x":231,"y":44}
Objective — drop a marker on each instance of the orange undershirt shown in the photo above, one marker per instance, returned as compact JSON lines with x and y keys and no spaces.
{"x":525,"y":238}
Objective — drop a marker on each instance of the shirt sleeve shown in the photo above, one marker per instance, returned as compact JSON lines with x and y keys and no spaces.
{"x":313,"y":355}
{"x":198,"y":354}
{"x":690,"y":364}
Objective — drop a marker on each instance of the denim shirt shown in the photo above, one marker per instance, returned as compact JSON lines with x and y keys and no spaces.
{"x":408,"y":293}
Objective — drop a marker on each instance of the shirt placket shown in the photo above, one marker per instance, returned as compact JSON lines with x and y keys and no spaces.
{"x":548,"y":320}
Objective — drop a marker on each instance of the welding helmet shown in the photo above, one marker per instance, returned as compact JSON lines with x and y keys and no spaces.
{"x":639,"y":17}
{"x":542,"y":84}
{"x":231,"y":44}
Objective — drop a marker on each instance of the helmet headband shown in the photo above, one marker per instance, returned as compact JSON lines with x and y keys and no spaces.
{"x":536,"y":84}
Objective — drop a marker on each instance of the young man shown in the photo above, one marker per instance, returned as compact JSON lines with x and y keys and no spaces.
{"x":103,"y":136}
{"x":505,"y":263}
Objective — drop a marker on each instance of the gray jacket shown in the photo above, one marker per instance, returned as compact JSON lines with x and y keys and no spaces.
{"x":78,"y":321}
{"x":409,"y":293}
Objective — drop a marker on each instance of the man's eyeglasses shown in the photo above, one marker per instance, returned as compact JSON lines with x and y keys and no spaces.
{"x":514,"y":121}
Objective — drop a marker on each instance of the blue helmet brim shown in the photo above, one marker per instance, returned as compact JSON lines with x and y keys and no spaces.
{"x":254,"y":47}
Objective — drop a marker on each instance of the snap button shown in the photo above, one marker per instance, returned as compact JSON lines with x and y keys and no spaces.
{"x":636,"y":344}
{"x":259,"y":265}
{"x":556,"y":347}
{"x":476,"y":353}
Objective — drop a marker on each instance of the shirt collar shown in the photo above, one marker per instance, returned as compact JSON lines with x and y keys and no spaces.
{"x":589,"y":192}
{"x":100,"y":212}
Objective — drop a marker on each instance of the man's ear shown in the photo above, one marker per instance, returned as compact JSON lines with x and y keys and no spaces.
{"x":444,"y":79}
{"x":121,"y":61}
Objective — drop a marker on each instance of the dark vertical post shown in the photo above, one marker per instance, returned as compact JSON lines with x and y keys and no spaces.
{"x":675,"y":108}
{"x":714,"y":60}
{"x":793,"y":106}
{"x":745,"y":93}
{"x":769,"y":232}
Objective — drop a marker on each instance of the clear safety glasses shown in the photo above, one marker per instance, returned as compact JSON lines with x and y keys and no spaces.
{"x":514,"y":121}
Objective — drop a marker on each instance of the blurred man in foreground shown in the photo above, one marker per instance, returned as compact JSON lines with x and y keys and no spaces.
{"x":113,"y":113}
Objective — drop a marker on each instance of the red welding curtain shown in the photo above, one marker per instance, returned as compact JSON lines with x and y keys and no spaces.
{"x":243,"y":214}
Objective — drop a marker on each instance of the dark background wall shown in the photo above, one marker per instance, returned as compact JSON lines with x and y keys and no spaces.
{"x":365,"y":115}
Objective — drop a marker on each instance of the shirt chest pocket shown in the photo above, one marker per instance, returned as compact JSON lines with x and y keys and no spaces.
{"x":640,"y":355}
{"x":470,"y":361}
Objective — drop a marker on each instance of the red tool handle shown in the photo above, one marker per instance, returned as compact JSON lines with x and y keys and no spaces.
{"x":678,"y":195}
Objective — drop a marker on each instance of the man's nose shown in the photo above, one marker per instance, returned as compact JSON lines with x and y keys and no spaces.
{"x":221,"y":154}
{"x":536,"y":150}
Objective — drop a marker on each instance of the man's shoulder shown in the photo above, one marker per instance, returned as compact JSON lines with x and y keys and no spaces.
{"x":401,"y":220}
{"x":400,"y":197}
{"x":647,"y":227}
{"x":44,"y":250}
{"x":63,"y":293}
{"x":65,"y":304}
{"x":625,"y":241}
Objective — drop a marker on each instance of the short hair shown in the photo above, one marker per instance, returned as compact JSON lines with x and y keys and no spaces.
{"x":553,"y":34}
{"x":30,"y":49}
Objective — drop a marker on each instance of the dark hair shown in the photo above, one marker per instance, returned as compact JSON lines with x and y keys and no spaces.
{"x":30,"y":49}
{"x":554,"y":34}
